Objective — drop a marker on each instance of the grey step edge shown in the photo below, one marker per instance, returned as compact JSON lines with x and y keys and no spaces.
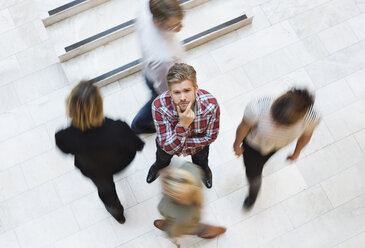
{"x":189,"y":43}
{"x":110,"y":35}
{"x":70,"y":9}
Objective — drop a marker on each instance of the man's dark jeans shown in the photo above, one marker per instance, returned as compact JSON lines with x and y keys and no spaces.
{"x":143,"y":120}
{"x":200,"y":158}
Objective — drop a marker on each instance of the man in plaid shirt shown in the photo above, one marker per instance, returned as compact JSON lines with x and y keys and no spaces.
{"x":186,"y":120}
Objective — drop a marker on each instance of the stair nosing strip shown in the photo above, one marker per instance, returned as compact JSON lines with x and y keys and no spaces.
{"x":186,"y":41}
{"x":65,"y":7}
{"x":106,"y":32}
{"x":99,"y":35}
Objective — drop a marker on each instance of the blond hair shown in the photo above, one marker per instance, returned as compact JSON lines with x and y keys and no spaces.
{"x":180,"y":72}
{"x":162,"y":10}
{"x":84,"y":106}
{"x":181,"y":186}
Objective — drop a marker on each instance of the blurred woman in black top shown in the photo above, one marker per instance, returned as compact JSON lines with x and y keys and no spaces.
{"x":102,"y":146}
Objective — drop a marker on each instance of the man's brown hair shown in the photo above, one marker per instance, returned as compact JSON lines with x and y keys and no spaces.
{"x":162,"y":10}
{"x":180,"y":72}
{"x":292,"y":106}
{"x":85,"y":106}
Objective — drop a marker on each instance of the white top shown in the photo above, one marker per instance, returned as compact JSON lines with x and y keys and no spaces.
{"x":265,"y":135}
{"x":160,"y":49}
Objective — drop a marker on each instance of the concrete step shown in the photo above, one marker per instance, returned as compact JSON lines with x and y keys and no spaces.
{"x":125,"y":50}
{"x":111,"y":34}
{"x":69,"y":9}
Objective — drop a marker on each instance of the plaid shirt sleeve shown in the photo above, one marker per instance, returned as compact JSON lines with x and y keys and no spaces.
{"x":211,"y":132}
{"x":171,"y":139}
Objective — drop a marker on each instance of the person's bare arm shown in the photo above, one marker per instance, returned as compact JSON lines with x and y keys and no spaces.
{"x":301,"y":143}
{"x":242,"y":131}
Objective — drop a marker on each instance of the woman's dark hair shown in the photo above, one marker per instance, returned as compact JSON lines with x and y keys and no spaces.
{"x":292,"y":106}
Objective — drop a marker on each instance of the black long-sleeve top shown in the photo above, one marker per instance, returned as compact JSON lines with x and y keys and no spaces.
{"x":105,"y":150}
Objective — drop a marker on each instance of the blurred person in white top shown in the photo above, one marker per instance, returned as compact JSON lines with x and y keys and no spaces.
{"x":270,"y":124}
{"x":158,"y":21}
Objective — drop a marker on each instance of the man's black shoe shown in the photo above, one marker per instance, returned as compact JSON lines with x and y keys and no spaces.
{"x":152,"y":174}
{"x":248,"y":203}
{"x":208,"y":178}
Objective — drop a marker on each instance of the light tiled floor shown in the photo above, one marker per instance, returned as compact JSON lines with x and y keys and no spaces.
{"x":318,"y":201}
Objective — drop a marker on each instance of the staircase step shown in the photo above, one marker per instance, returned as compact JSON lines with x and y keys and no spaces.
{"x":70,"y":9}
{"x":189,"y":43}
{"x":111,"y":34}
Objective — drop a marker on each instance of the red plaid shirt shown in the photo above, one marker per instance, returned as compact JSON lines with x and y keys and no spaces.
{"x":174,"y":138}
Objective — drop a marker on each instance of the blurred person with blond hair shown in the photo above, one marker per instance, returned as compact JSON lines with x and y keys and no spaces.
{"x":102,"y":147}
{"x":157,"y":23}
{"x":182,"y":202}
{"x":270,"y":124}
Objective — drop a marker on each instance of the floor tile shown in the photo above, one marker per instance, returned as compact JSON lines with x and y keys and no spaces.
{"x":12,"y":183}
{"x":48,"y":107}
{"x":141,"y":189}
{"x":330,"y":160}
{"x":321,"y":138}
{"x":257,"y":230}
{"x":118,"y":105}
{"x":347,"y":120}
{"x":55,"y":125}
{"x":9,"y":70}
{"x":346,"y":185}
{"x":23,"y":147}
{"x":247,"y":49}
{"x":360,"y":138}
{"x":46,"y":167}
{"x":89,"y":210}
{"x":357,"y":24}
{"x":334,"y":96}
{"x":37,"y":57}
{"x":229,"y":177}
{"x":337,"y":65}
{"x":8,"y":3}
{"x":48,"y":229}
{"x":24,"y":12}
{"x":328,"y":230}
{"x":125,"y":192}
{"x":14,"y":122}
{"x":139,"y":220}
{"x":9,"y":240}
{"x":259,"y":22}
{"x":325,"y":16}
{"x":284,"y":61}
{"x":355,"y":81}
{"x":95,"y":236}
{"x":73,"y":186}
{"x":30,"y":205}
{"x":307,"y":205}
{"x":18,"y":39}
{"x":8,"y":98}
{"x":361,"y":4}
{"x":354,"y":242}
{"x":149,"y":240}
{"x":40,"y":83}
{"x":338,"y":37}
{"x":281,"y":10}
{"x":6,"y":22}
{"x":226,"y":86}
